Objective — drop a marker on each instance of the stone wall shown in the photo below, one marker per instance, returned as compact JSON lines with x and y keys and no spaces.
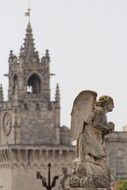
{"x":116,"y":144}
{"x":19,"y":165}
{"x":37,"y":127}
{"x":5,"y":178}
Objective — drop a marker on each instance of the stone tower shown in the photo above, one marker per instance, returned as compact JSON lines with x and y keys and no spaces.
{"x":30,"y":131}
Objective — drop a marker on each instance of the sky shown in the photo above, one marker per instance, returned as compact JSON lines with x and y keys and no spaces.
{"x":87,"y":41}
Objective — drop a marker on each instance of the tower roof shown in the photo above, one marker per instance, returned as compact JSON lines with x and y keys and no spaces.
{"x":28,"y":46}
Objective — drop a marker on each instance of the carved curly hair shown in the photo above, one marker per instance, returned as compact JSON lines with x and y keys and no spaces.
{"x":104,"y":100}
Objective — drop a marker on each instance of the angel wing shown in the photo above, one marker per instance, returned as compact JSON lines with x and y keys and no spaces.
{"x":82,"y":107}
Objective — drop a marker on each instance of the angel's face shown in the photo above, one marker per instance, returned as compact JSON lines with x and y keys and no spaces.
{"x":110,"y":106}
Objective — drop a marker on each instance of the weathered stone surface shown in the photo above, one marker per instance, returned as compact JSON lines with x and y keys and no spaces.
{"x":91,"y":168}
{"x":91,"y":189}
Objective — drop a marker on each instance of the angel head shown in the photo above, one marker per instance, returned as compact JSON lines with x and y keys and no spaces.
{"x":105,"y":102}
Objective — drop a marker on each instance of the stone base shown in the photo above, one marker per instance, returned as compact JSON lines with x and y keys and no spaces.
{"x":90,"y":188}
{"x":90,"y":183}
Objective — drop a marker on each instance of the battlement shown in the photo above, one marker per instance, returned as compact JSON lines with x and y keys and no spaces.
{"x":31,"y":155}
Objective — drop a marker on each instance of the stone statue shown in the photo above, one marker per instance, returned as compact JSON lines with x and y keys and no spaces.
{"x":89,"y":126}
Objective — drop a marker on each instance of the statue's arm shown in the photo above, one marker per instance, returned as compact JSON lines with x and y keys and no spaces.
{"x":95,"y":119}
{"x":106,"y":127}
{"x":111,"y":127}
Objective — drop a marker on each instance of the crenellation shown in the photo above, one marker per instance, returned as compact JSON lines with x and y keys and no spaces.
{"x":32,"y":156}
{"x":1,"y":156}
{"x":4,"y":155}
{"x":9,"y":105}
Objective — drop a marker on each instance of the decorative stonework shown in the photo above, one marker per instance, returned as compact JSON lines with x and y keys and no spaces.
{"x":24,"y":155}
{"x":89,"y":182}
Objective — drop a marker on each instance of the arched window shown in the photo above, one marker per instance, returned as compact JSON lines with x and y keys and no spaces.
{"x":34,"y":84}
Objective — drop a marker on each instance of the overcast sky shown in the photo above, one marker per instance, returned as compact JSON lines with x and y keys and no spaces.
{"x":87,"y":40}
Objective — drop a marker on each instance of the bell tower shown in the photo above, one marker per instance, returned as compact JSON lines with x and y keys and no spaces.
{"x":33,"y":117}
{"x":30,"y":132}
{"x":29,"y":76}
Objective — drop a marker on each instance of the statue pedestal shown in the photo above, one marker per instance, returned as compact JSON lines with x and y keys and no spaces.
{"x":91,"y":188}
{"x":90,"y":183}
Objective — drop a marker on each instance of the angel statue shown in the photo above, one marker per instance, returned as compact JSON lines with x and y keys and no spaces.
{"x":89,"y":126}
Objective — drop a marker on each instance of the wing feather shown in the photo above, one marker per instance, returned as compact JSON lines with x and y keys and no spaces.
{"x":81,"y":110}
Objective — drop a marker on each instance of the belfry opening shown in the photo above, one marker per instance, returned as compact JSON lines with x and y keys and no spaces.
{"x":34,"y":84}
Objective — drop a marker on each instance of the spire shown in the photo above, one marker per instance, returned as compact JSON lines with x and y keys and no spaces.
{"x":57,"y":95}
{"x":28,"y":49}
{"x":1,"y":93}
{"x":47,"y":55}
